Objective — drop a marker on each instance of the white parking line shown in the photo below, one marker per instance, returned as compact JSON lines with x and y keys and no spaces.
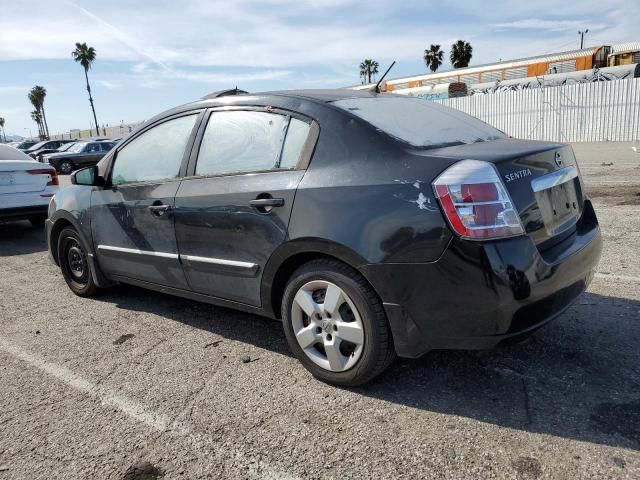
{"x":622,"y":278}
{"x":138,"y":411}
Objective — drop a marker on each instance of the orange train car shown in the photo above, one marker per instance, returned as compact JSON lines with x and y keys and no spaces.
{"x":562,"y":62}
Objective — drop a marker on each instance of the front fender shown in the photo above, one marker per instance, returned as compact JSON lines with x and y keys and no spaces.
{"x":73,"y":204}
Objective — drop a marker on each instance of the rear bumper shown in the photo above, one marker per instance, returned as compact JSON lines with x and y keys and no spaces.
{"x":478,"y":295}
{"x":23,"y":213}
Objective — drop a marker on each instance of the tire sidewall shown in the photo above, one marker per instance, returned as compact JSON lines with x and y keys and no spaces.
{"x":77,"y":288}
{"x":368,"y":358}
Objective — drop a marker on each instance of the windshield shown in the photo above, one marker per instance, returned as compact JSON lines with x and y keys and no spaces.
{"x":421,"y":123}
{"x":66,"y":146}
{"x":38,"y":146}
{"x":76,"y":147}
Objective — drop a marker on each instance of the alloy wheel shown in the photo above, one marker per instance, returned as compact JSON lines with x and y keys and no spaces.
{"x":327,"y":326}
{"x":65,"y":167}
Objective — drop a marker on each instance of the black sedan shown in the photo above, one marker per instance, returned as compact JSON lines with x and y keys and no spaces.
{"x":45,"y":146}
{"x":373,"y":225}
{"x":41,"y":153}
{"x":81,"y":154}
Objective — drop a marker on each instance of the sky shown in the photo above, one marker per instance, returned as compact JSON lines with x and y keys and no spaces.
{"x":152,"y":55}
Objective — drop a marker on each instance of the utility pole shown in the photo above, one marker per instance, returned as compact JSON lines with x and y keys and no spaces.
{"x":582,"y":34}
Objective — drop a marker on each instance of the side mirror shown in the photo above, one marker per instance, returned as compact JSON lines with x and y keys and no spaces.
{"x":87,"y":176}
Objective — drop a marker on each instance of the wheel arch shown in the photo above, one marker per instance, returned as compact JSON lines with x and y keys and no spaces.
{"x":289,"y":257}
{"x":61,"y":220}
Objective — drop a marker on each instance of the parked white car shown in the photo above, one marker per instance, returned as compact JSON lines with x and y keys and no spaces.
{"x":26,"y":187}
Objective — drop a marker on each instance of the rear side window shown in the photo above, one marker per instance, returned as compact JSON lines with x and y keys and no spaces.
{"x":421,"y":123}
{"x":241,"y":141}
{"x":297,"y":134}
{"x":155,"y":154}
{"x":93,"y":148}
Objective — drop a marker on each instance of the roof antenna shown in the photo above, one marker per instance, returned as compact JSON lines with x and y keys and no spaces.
{"x":382,"y":77}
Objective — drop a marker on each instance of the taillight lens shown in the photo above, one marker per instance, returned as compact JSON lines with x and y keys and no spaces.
{"x":47,"y":171}
{"x":475,"y":202}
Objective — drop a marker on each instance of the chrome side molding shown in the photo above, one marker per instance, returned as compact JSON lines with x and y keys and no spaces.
{"x":218,"y":261}
{"x":554,"y":178}
{"x":138,"y":252}
{"x":189,"y":259}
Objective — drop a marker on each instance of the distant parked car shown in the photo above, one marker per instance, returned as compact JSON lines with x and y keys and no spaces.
{"x":26,"y":187}
{"x":46,"y":145}
{"x":372,"y":225}
{"x":81,"y":154}
{"x":26,"y":144}
{"x":63,"y":147}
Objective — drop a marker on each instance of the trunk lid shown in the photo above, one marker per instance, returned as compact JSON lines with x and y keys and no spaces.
{"x":542,"y":179}
{"x":15,"y":176}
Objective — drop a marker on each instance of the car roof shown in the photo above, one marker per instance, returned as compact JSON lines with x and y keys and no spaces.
{"x":322,"y":95}
{"x":317,"y":96}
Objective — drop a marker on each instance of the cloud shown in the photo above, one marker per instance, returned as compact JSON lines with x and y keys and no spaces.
{"x":14,"y":89}
{"x":291,"y":35}
{"x":109,"y":85}
{"x":549,"y":25}
{"x":150,"y":77}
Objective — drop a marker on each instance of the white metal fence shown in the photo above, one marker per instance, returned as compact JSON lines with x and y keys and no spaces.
{"x":585,"y":112}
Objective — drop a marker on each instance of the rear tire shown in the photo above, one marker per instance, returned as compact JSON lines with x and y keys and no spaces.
{"x":65,"y":167}
{"x":345,"y":340}
{"x":74,"y":263}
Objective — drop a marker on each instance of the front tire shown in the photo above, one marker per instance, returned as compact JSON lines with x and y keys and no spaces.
{"x":335,"y":324}
{"x":65,"y":167}
{"x":74,"y":263}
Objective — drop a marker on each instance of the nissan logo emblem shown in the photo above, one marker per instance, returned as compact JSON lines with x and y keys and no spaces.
{"x":558,"y":160}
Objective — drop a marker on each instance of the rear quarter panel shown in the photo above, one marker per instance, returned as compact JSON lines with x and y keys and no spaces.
{"x":367,"y":193}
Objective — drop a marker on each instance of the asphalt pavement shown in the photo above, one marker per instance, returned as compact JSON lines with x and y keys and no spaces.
{"x":138,"y":385}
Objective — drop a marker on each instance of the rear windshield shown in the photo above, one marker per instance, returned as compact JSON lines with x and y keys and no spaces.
{"x":421,"y":123}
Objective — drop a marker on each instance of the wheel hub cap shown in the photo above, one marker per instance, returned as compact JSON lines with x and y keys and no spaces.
{"x":327,"y":326}
{"x":76,"y":261}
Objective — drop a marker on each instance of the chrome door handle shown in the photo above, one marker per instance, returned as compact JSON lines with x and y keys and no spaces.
{"x":267,"y":202}
{"x":159,"y":210}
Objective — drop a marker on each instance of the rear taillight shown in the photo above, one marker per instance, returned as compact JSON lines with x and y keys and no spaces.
{"x":47,"y":171}
{"x":475,"y":202}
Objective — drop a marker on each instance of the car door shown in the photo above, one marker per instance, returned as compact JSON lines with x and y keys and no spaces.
{"x":91,"y":154}
{"x":132,"y":217}
{"x":233,"y":211}
{"x":105,"y":147}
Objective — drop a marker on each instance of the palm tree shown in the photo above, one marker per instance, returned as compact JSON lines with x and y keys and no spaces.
{"x":4,"y":135}
{"x":433,"y":57}
{"x":37,"y":96}
{"x":41,"y":93}
{"x":368,"y":68}
{"x":36,"y":117}
{"x":85,"y":55}
{"x":461,"y":53}
{"x":35,"y":101}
